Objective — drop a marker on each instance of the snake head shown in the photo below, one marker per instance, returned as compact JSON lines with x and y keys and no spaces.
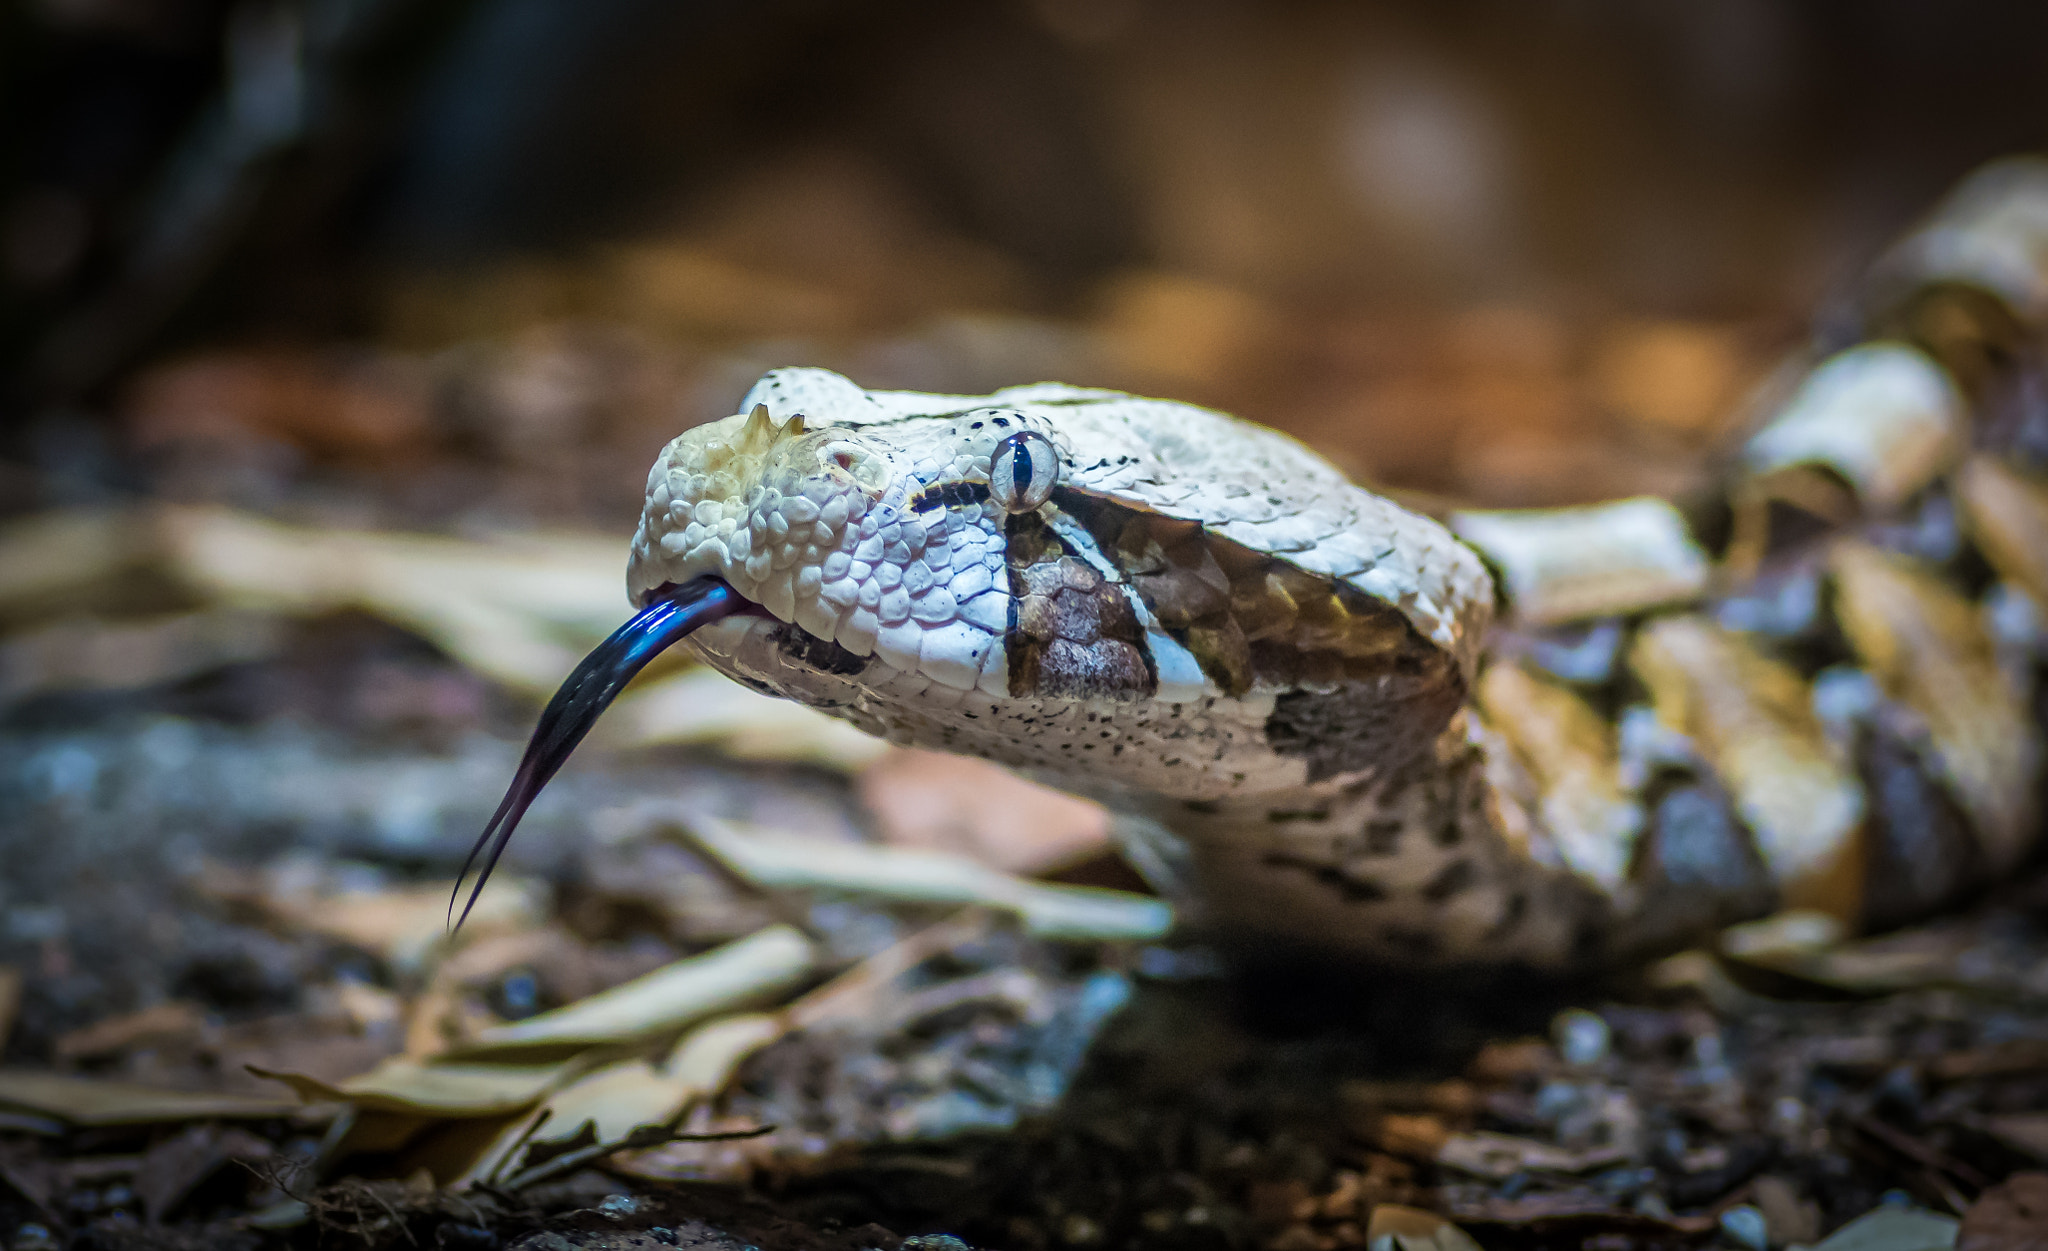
{"x":876,"y":536}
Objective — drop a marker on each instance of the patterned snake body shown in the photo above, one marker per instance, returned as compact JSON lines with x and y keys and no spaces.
{"x":1281,"y":677}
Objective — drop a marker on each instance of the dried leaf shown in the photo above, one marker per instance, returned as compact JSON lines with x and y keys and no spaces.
{"x":437,"y":1090}
{"x":1926,"y":645}
{"x":665,"y":1000}
{"x":1501,"y":1156}
{"x":1417,"y":1137}
{"x":1413,"y":1229}
{"x":939,"y":802}
{"x":1782,"y":938}
{"x":66,"y":561}
{"x":521,"y":611}
{"x":1753,"y":718}
{"x":171,"y":1021}
{"x":403,"y":924}
{"x":1505,"y":1060}
{"x":2011,"y":1216}
{"x":787,"y":862}
{"x":88,"y":654}
{"x":368,"y":409}
{"x":87,"y":1101}
{"x":704,"y":706}
{"x":1568,"y":564}
{"x":609,"y":1104}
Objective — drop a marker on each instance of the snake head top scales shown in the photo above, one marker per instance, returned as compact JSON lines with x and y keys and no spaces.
{"x":1117,"y":593}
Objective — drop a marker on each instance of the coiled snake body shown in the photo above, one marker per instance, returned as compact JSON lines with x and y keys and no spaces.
{"x":1285,"y":679}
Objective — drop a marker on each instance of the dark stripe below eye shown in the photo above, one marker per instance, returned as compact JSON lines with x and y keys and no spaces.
{"x":951,"y":495}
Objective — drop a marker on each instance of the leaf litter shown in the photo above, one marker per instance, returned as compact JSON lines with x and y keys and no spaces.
{"x":838,"y":978}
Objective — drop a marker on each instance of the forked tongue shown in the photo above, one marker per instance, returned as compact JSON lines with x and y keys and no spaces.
{"x":670,"y":615}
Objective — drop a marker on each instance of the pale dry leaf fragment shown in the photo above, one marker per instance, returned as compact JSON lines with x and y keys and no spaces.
{"x":520,"y":611}
{"x":173,"y":1020}
{"x":1413,"y":1229}
{"x":1815,"y":946}
{"x":1571,"y":751}
{"x":1501,"y":1156}
{"x":778,"y":861}
{"x":941,"y":802}
{"x":2007,"y":514}
{"x":606,"y":1104}
{"x":704,"y":706}
{"x":1927,"y":647}
{"x":85,"y":653}
{"x":1753,"y":718}
{"x":756,"y":967}
{"x":406,"y":924}
{"x":67,"y":560}
{"x":1569,"y":564}
{"x":1789,"y":935}
{"x":618,"y":1099}
{"x":436,"y":1090}
{"x":89,"y":1101}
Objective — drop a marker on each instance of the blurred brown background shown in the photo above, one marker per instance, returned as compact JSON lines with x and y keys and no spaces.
{"x":470,"y":262}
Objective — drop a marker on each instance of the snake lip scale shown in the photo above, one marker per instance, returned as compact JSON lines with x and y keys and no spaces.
{"x":1282,"y":680}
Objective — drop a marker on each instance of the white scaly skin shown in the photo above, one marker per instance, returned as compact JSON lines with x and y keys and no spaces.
{"x":803,"y":505}
{"x":1281,"y":673}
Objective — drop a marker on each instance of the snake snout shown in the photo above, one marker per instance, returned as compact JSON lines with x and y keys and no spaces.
{"x":670,"y":613}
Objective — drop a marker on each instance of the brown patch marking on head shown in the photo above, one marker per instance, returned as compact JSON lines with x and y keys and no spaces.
{"x":1250,"y":618}
{"x":1072,"y":632}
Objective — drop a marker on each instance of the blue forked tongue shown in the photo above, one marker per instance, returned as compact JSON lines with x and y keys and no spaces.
{"x":671,"y":613}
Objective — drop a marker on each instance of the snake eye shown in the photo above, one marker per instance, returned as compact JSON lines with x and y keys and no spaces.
{"x":1021,"y":473}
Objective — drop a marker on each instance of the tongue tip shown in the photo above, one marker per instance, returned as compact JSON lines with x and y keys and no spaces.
{"x":668,"y":614}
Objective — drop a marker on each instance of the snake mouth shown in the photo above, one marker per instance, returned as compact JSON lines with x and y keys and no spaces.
{"x":670,"y":613}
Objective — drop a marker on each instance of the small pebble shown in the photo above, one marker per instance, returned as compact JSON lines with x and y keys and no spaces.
{"x":1744,"y":1225}
{"x":618,"y":1207}
{"x":1582,"y":1037}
